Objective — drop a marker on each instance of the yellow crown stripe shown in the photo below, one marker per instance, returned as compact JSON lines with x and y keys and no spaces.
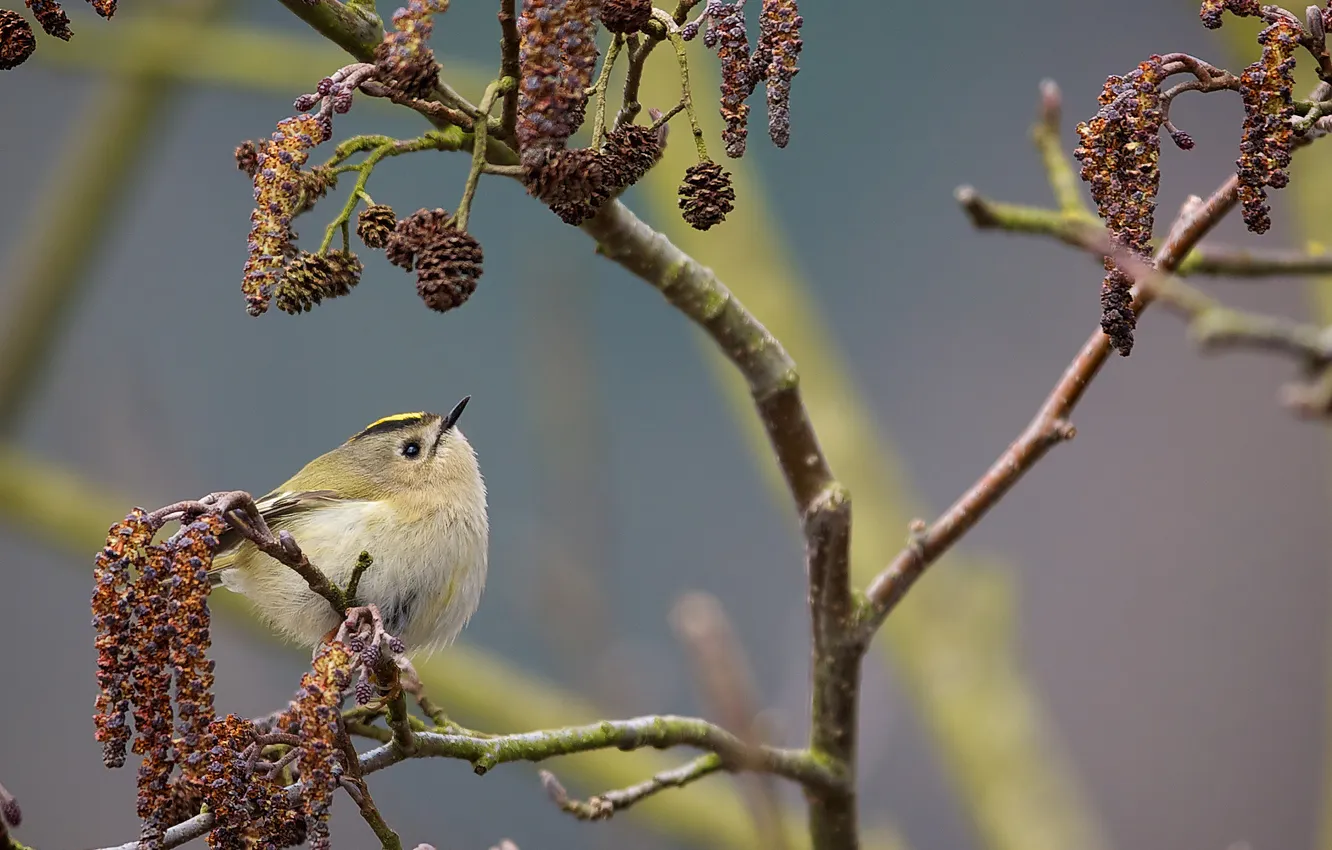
{"x":397,"y":417}
{"x":393,"y":423}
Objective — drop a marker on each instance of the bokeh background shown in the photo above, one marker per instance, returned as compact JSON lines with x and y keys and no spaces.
{"x":1150,"y":604}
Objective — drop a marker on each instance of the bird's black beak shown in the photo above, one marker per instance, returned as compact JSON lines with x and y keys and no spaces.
{"x":456,"y":413}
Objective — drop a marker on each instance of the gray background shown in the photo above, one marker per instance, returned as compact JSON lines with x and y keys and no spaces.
{"x":1171,"y":559}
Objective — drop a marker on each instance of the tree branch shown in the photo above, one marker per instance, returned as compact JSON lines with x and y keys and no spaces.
{"x":354,"y":29}
{"x":653,"y":731}
{"x":823,"y":504}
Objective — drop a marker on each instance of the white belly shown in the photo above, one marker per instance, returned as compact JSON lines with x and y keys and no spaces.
{"x":426,"y":579}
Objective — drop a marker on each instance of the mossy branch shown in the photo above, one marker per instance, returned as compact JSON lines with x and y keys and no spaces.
{"x":657,"y":732}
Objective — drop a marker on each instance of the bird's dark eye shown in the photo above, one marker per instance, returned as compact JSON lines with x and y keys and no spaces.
{"x":411,"y":448}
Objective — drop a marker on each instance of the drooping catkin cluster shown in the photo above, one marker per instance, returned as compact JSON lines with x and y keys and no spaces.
{"x":246,"y":793}
{"x":150,"y":611}
{"x":774,"y":61}
{"x":1267,"y":88}
{"x":447,"y":260}
{"x":250,"y":806}
{"x":780,"y":33}
{"x":152,"y":692}
{"x":315,"y":713}
{"x":115,"y":643}
{"x":278,"y":184}
{"x":404,"y":60}
{"x":1265,"y":148}
{"x":267,"y":788}
{"x":1119,"y":149}
{"x":557,"y":52}
{"x":191,"y":622}
{"x":726,"y":32}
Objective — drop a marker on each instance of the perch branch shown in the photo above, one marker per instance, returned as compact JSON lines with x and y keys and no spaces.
{"x":653,"y":731}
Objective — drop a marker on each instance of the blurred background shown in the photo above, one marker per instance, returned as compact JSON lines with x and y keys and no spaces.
{"x":1129,"y":652}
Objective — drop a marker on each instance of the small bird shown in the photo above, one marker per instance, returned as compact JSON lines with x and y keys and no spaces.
{"x":407,"y":490}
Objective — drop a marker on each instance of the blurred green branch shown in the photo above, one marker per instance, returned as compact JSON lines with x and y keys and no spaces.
{"x":105,"y":151}
{"x":222,"y":54}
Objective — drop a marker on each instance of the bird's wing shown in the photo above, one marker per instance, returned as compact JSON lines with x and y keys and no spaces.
{"x":279,"y":508}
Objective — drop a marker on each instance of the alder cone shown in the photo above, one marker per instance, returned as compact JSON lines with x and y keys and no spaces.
{"x":706,"y":195}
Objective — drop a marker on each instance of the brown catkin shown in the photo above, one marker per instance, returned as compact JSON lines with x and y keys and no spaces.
{"x":53,"y":20}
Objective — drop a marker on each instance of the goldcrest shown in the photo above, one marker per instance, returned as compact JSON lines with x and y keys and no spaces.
{"x":406,"y":489}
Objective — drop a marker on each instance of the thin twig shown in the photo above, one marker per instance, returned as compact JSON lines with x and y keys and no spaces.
{"x":606,"y":804}
{"x":509,"y":67}
{"x":599,"y":91}
{"x":1228,"y":261}
{"x":363,"y":562}
{"x":639,"y":50}
{"x":479,"y":149}
{"x":686,"y":90}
